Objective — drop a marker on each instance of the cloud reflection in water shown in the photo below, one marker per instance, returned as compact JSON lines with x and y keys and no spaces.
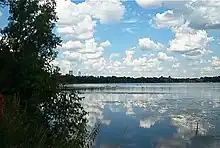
{"x":179,"y":109}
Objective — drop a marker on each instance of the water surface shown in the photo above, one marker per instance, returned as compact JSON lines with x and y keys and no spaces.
{"x":154,"y":115}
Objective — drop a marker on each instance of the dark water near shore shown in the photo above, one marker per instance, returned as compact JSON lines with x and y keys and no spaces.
{"x":154,"y":115}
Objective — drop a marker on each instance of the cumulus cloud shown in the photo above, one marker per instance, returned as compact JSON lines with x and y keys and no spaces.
{"x":77,"y":26}
{"x":73,"y":56}
{"x":205,"y":14}
{"x":164,"y":57}
{"x":80,"y":30}
{"x":107,"y":11}
{"x":64,"y":64}
{"x":215,"y":62}
{"x":80,"y":52}
{"x":148,"y":44}
{"x":129,"y":57}
{"x":168,"y":19}
{"x":79,"y":20}
{"x":200,"y":14}
{"x":189,"y":42}
{"x":149,"y":3}
{"x":105,"y":44}
{"x":91,"y":46}
{"x":141,"y":63}
{"x":72,"y":45}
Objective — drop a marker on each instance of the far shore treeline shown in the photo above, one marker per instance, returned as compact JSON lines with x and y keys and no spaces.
{"x":71,"y":79}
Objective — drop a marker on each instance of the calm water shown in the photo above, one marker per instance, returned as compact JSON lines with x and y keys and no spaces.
{"x":154,"y":115}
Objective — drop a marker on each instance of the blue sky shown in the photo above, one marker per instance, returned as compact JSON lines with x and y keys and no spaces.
{"x":138,"y":38}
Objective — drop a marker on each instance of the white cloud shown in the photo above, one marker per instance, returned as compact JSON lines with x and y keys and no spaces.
{"x":107,"y":11}
{"x":74,"y":20}
{"x":73,"y":56}
{"x":148,"y":44}
{"x":177,"y":65}
{"x":215,"y":62}
{"x":129,"y":53}
{"x":189,"y":41}
{"x":82,"y":52}
{"x":105,"y":44}
{"x":91,"y":46}
{"x":76,"y":25}
{"x":129,"y":57}
{"x":164,"y":57}
{"x":200,"y":14}
{"x":96,"y":55}
{"x":72,"y":45}
{"x":81,"y":30}
{"x":204,"y":14}
{"x":149,"y":3}
{"x":79,"y":20}
{"x":168,"y":19}
{"x":142,"y":63}
{"x":65,"y":65}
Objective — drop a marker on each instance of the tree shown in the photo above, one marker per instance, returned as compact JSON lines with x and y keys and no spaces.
{"x":26,"y":52}
{"x":27,"y":49}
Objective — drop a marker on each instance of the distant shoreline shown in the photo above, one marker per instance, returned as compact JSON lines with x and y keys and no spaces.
{"x":71,"y":79}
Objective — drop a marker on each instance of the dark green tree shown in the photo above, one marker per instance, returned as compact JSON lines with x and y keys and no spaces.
{"x":26,"y":52}
{"x":27,"y":49}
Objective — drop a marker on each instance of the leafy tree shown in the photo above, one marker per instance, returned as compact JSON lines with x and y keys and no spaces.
{"x":26,"y":52}
{"x":27,"y":49}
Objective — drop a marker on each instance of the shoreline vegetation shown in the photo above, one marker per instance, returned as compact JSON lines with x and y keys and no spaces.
{"x":71,"y":79}
{"x":34,"y":111}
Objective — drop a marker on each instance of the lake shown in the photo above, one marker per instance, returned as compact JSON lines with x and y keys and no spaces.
{"x":153,"y":115}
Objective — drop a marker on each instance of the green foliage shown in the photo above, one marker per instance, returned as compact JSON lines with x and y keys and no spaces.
{"x":20,"y":130}
{"x":66,"y":117}
{"x":39,"y":114}
{"x":27,"y":49}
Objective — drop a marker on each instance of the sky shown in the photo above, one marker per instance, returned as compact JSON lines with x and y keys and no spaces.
{"x":138,"y":37}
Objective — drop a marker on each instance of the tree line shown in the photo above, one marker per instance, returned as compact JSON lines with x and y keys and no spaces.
{"x":71,"y":79}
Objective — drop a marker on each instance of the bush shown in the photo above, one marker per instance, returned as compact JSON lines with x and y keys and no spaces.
{"x":67,"y":124}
